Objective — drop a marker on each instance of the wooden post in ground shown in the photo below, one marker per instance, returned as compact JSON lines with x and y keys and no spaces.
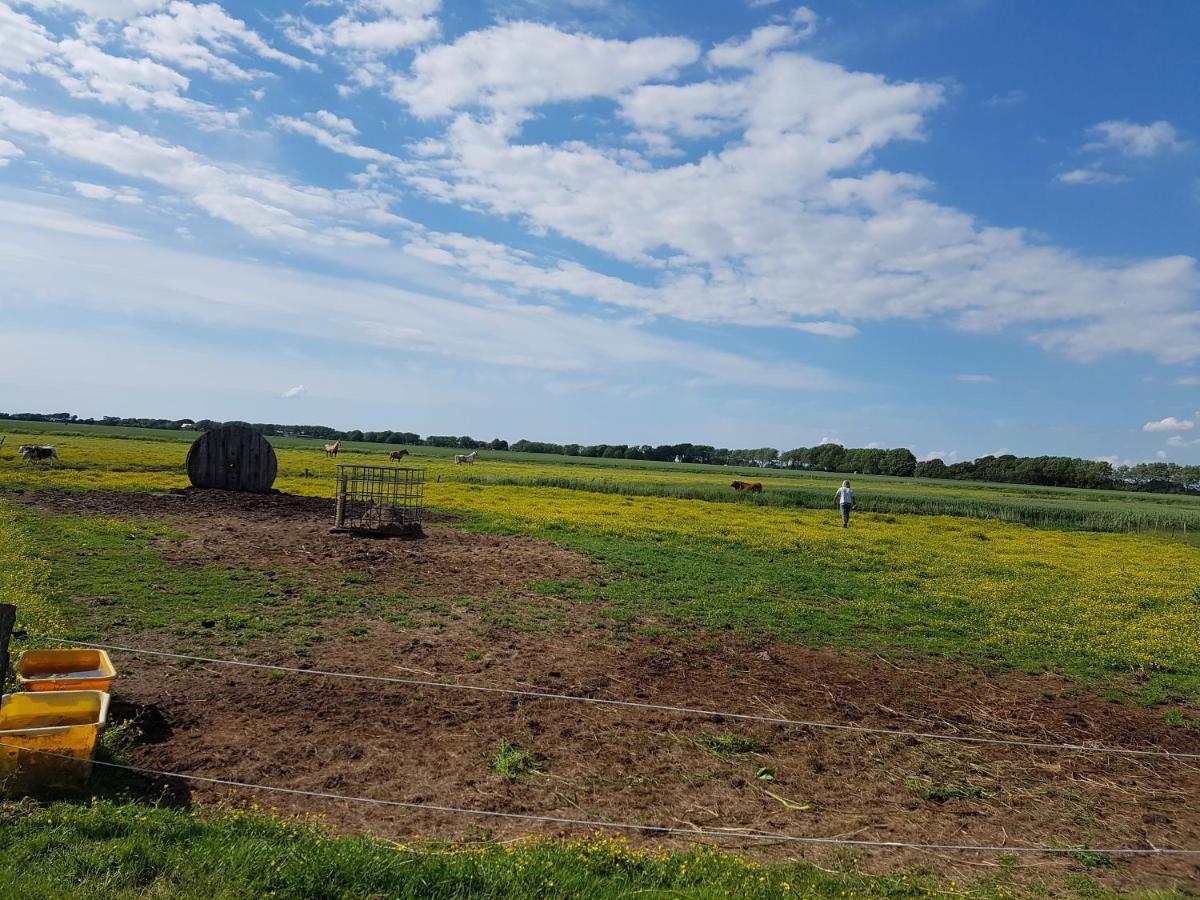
{"x":8,"y":617}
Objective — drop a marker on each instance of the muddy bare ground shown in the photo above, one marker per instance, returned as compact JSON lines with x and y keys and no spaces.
{"x":433,"y":746}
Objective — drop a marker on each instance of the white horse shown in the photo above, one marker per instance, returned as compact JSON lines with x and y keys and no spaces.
{"x":467,"y":459}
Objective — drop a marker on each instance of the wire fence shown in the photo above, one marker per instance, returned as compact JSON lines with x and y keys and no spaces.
{"x":655,"y":707}
{"x":724,"y":833}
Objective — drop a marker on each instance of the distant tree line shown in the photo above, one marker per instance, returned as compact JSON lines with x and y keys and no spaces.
{"x":863,"y":460}
{"x":1050,"y":471}
{"x":324,"y":432}
{"x":1068,"y":471}
{"x":693,"y":453}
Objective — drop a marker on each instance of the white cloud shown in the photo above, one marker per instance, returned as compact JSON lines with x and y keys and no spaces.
{"x":102,"y":9}
{"x":1007,"y":98}
{"x":86,"y":71}
{"x":740,"y":54}
{"x":1134,"y":140}
{"x":333,"y":133}
{"x":788,"y":29}
{"x":381,"y":35}
{"x":8,"y":152}
{"x":1161,"y":454}
{"x":780,"y":223}
{"x":369,"y":27}
{"x":23,"y":42}
{"x":1170,"y":423}
{"x":266,"y":205}
{"x":1090,"y":175}
{"x":101,"y":192}
{"x":89,"y":72}
{"x":1189,"y":381}
{"x":47,"y":218}
{"x":826,"y":329}
{"x":200,"y":38}
{"x":154,"y":283}
{"x":981,"y":379}
{"x":946,"y":456}
{"x":513,"y":67}
{"x":297,"y":391}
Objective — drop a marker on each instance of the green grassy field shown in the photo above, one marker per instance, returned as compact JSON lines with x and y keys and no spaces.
{"x":120,"y":851}
{"x":1093,"y":510}
{"x":944,"y":572}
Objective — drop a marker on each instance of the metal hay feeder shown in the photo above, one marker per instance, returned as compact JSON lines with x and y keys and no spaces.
{"x":380,"y":500}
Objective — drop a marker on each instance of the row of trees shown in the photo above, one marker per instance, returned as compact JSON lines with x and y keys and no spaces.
{"x":1054,"y":471}
{"x":866,"y":460}
{"x":1069,"y":471}
{"x":694,"y":453}
{"x":268,"y":429}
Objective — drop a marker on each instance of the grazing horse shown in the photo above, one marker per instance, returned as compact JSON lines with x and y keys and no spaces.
{"x":467,"y":459}
{"x":32,"y":453}
{"x":397,"y":455}
{"x":749,"y":487}
{"x":332,"y":449}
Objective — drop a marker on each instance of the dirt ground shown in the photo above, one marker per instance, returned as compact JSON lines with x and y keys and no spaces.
{"x":433,"y":746}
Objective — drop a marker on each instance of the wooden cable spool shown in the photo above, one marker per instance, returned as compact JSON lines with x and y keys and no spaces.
{"x":232,"y":458}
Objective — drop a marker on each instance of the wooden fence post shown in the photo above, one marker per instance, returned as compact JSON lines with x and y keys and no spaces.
{"x":8,"y":617}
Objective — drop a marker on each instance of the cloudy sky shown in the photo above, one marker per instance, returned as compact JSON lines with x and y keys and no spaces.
{"x":962,"y":227}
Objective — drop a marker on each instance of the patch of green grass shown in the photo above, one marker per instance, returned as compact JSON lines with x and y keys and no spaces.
{"x":125,"y":851}
{"x":116,"y":742}
{"x":109,"y":574}
{"x":691,"y":586}
{"x":1065,"y":508}
{"x":729,"y":744}
{"x":927,"y":789}
{"x":1153,"y":693}
{"x":1092,"y":859}
{"x":1176,"y":719}
{"x":513,"y":762}
{"x":474,"y":655}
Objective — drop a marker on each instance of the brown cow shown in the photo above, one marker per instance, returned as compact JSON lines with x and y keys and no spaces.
{"x":397,"y":455}
{"x":749,"y":487}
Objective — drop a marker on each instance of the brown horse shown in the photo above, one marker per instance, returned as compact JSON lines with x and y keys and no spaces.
{"x":397,"y":455}
{"x":332,"y":449}
{"x":750,"y":487}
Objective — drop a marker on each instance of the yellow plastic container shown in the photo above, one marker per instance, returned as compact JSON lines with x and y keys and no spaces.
{"x":65,"y":670}
{"x":59,"y":722}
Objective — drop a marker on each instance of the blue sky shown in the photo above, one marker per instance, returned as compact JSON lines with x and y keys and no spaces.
{"x":962,"y":227}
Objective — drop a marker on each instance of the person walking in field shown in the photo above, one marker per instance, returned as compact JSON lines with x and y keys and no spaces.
{"x":844,"y":500}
